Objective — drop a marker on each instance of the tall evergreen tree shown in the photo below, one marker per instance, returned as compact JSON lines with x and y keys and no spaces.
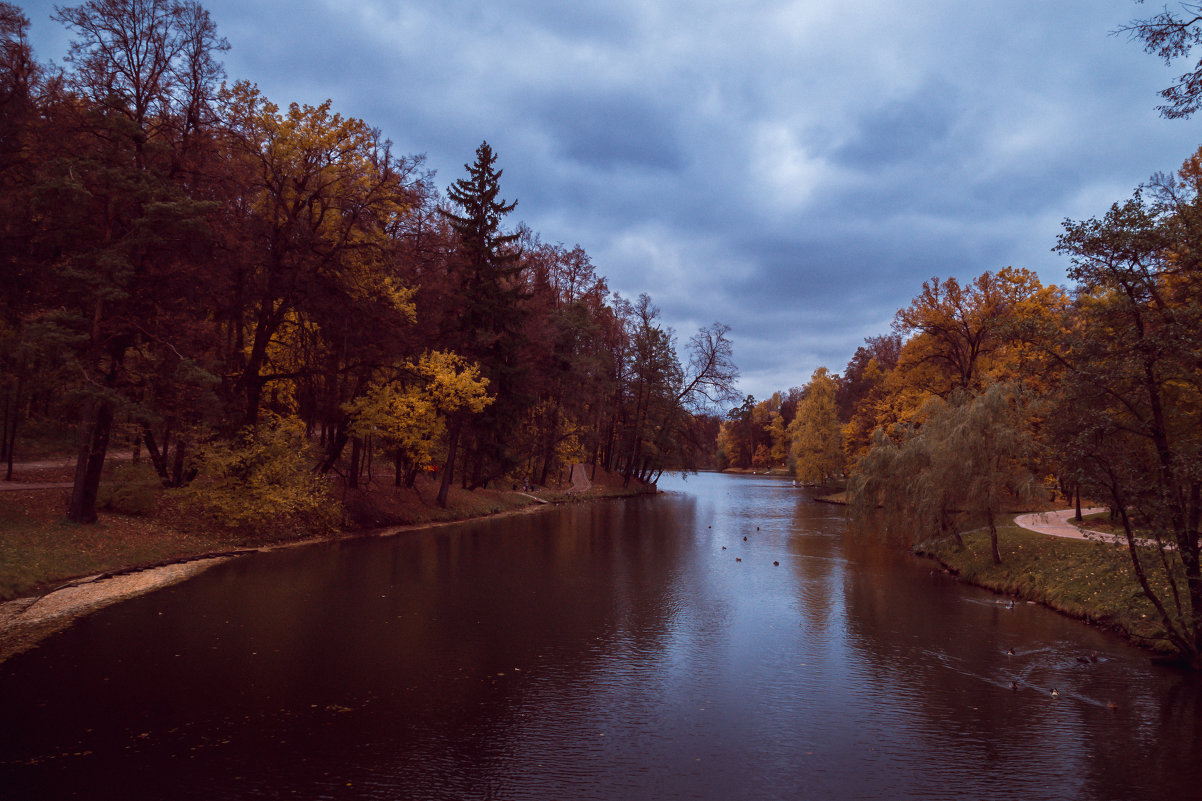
{"x":487,"y":268}
{"x":487,"y":252}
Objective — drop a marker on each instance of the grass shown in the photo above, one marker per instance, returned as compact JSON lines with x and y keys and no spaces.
{"x":40,"y":549}
{"x":1089,"y":580}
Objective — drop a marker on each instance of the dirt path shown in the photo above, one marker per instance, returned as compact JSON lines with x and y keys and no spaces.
{"x":13,"y":486}
{"x":580,"y":481}
{"x":1055,"y":524}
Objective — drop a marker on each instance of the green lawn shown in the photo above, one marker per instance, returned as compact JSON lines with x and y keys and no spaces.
{"x":1089,"y":580}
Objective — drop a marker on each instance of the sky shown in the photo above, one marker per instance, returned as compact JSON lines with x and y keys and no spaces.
{"x":794,"y":170}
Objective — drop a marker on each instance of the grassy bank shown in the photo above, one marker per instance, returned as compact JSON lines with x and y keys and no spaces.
{"x":40,"y":549}
{"x":1088,"y":580}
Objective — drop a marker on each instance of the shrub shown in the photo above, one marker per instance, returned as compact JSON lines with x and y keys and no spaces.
{"x":263,"y":484}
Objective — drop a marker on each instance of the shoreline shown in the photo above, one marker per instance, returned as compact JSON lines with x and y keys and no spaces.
{"x":27,"y":621}
{"x":1070,"y":570}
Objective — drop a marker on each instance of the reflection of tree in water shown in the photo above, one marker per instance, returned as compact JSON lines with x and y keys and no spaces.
{"x":818,"y":563}
{"x":414,"y":661}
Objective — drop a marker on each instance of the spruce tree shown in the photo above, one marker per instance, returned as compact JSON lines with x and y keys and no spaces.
{"x":489,"y":260}
{"x":487,"y":270}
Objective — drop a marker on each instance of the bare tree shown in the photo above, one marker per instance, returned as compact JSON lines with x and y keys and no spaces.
{"x":710,"y":378}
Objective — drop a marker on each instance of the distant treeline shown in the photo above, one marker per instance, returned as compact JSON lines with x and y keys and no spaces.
{"x":184,"y":262}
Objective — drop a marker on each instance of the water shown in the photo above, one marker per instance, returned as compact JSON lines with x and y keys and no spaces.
{"x":607,"y":651}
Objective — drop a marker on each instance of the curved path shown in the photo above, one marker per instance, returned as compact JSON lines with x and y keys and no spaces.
{"x":1056,"y":524}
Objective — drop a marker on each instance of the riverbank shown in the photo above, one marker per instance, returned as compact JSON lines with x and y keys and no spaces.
{"x":1091,"y":581}
{"x":53,"y":572}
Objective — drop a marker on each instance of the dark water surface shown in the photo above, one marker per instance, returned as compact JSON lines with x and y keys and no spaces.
{"x":606,"y":651}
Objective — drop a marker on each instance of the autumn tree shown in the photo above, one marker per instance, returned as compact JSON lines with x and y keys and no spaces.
{"x":410,"y":412}
{"x":323,"y":193}
{"x":957,"y":332}
{"x":567,"y":360}
{"x":816,"y":451}
{"x":20,"y":85}
{"x":864,"y":390}
{"x":1132,"y":382}
{"x":739,"y":433}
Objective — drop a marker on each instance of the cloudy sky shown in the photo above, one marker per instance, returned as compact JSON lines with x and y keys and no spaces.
{"x":793,"y":169}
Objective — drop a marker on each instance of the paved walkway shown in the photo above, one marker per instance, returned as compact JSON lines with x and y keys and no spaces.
{"x":1056,"y":524}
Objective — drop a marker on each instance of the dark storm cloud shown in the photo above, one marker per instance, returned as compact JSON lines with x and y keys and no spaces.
{"x":913,"y":129}
{"x":795,"y":168}
{"x":610,"y":132}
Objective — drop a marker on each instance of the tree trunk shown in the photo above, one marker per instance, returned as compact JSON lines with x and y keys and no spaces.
{"x":177,"y":467}
{"x":12,"y":415}
{"x":549,"y":446}
{"x":95,"y":428}
{"x":337,"y":444}
{"x":157,"y":458}
{"x":477,"y":461}
{"x":352,"y":476}
{"x":993,"y":546}
{"x":449,"y":466}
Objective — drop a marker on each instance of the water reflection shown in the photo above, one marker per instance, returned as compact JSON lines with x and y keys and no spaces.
{"x":616,"y":650}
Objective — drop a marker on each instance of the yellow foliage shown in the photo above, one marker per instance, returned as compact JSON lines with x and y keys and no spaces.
{"x":263,"y":483}
{"x":412,"y":416}
{"x":816,"y":434}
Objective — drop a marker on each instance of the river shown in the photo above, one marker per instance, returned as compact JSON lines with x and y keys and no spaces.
{"x":724,"y":640}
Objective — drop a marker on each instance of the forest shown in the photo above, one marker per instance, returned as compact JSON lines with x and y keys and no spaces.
{"x":263,"y":297}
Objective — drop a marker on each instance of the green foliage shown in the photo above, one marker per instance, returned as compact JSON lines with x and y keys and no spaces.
{"x":263,"y":484}
{"x":961,"y":464}
{"x":131,"y":489}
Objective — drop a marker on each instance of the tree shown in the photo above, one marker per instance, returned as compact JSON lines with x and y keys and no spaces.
{"x":739,"y":432}
{"x":487,"y":276}
{"x":261,"y":483}
{"x":20,"y":85}
{"x":150,"y":62}
{"x":410,"y":415}
{"x":1172,"y":35}
{"x":816,"y":450}
{"x":320,"y":196}
{"x":962,"y":330}
{"x":123,"y":229}
{"x":963,"y":462}
{"x":1132,"y":381}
